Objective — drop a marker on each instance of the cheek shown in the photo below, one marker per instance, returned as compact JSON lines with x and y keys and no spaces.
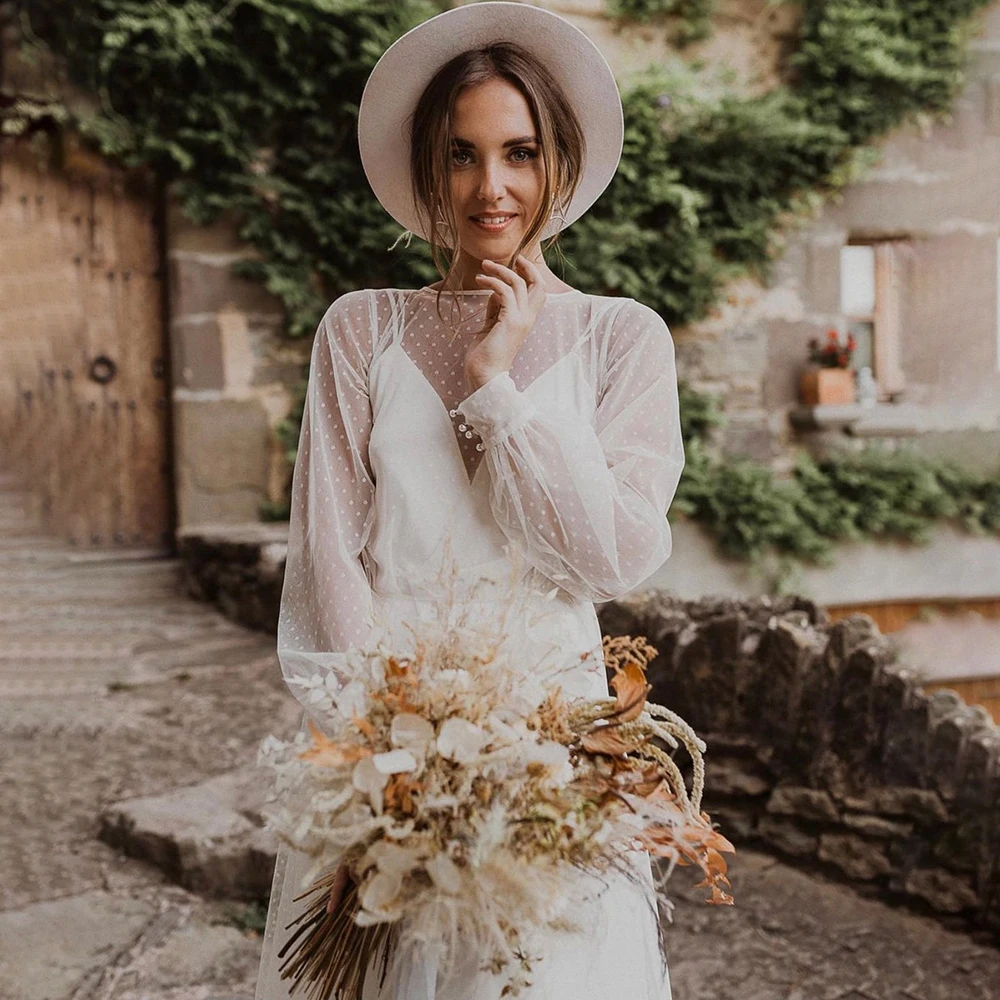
{"x":531,"y":185}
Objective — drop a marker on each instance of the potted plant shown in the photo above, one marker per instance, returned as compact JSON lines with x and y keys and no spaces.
{"x":830,"y":377}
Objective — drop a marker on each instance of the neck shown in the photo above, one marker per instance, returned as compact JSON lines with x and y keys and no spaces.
{"x":468,"y":266}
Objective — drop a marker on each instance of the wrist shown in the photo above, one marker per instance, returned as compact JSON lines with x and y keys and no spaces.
{"x":477,"y":379}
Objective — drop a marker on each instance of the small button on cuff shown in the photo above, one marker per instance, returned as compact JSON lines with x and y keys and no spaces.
{"x":453,"y":413}
{"x":468,"y":434}
{"x":462,"y":427}
{"x":479,"y":446}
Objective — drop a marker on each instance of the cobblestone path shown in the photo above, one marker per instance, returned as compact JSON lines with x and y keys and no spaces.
{"x":113,"y":684}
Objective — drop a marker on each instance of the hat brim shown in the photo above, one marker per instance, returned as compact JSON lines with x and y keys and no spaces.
{"x":408,"y":65}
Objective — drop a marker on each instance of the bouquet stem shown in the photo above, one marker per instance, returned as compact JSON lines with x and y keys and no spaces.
{"x":329,"y":951}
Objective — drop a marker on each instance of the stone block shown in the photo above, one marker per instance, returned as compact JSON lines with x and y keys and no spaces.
{"x":919,"y":804}
{"x":734,"y":776}
{"x":944,"y":891}
{"x":906,"y":739}
{"x":223,"y":450}
{"x":239,"y":568}
{"x":207,"y":837}
{"x":709,"y":671}
{"x":981,"y":763}
{"x":876,"y":826}
{"x":202,"y":284}
{"x":889,"y":699}
{"x":855,"y":739}
{"x":196,"y":354}
{"x":787,"y":836}
{"x":949,"y":739}
{"x":219,"y":237}
{"x":856,"y":856}
{"x":805,"y":803}
{"x":964,"y":846}
{"x":748,"y":439}
{"x":734,"y":822}
{"x":787,"y":651}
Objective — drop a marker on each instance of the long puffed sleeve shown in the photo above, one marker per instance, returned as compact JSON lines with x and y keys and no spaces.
{"x":326,"y":597}
{"x":587,"y":503}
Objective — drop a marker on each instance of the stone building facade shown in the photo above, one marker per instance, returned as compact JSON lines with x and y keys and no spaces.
{"x":933,"y":198}
{"x":926,"y":221}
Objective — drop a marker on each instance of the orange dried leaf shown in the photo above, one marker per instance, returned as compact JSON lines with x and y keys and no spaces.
{"x":326,"y":753}
{"x":631,"y":690}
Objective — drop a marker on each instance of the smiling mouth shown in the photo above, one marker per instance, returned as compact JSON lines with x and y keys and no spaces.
{"x":493,"y":223}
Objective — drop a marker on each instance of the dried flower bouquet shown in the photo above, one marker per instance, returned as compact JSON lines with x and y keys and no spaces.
{"x":465,"y":795}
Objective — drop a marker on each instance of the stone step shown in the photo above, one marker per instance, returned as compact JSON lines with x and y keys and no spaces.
{"x":207,"y":837}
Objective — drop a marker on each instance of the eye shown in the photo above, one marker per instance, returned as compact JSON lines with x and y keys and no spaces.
{"x":530,"y":154}
{"x":521,"y":154}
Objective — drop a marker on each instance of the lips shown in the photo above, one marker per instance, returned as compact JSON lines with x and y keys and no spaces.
{"x":493,"y":223}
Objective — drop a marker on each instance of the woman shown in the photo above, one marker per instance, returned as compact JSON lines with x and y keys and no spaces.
{"x":498,"y":418}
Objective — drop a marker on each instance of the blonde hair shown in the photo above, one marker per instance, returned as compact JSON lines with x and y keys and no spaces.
{"x":562,"y":146}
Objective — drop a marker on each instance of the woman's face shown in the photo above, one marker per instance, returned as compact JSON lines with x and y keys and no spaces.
{"x":495,"y":168}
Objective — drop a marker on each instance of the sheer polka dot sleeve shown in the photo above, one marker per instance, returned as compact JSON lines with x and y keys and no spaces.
{"x":586,"y":502}
{"x":326,"y":597}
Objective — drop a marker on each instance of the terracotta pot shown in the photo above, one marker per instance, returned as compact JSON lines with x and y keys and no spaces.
{"x":820,"y":386}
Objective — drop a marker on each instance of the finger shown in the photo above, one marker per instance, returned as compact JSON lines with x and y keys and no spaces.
{"x":532,"y":273}
{"x":337,"y":889}
{"x":513,"y":279}
{"x":502,"y":288}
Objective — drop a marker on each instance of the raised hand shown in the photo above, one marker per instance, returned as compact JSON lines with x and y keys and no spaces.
{"x":517,"y":297}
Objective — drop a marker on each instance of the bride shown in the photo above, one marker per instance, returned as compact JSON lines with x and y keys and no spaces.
{"x":500,"y":416}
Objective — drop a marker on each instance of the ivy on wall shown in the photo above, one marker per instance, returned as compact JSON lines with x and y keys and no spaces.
{"x":874,"y":494}
{"x":691,"y":19}
{"x":249,"y":107}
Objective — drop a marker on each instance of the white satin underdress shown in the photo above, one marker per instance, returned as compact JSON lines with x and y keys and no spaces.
{"x":565,"y":466}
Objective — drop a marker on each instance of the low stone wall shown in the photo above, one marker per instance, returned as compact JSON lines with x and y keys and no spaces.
{"x":823,"y":748}
{"x":821,"y":745}
{"x":238,"y":568}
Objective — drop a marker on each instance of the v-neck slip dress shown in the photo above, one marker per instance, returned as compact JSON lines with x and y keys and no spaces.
{"x":563,"y":467}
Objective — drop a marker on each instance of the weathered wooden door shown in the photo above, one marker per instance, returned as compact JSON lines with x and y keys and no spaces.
{"x":83,"y":377}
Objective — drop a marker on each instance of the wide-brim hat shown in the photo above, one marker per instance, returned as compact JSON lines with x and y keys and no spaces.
{"x":408,"y":65}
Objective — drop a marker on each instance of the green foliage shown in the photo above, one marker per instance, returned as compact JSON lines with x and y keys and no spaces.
{"x":693,"y":17}
{"x":874,"y":494}
{"x":700,"y":412}
{"x":864,"y":66}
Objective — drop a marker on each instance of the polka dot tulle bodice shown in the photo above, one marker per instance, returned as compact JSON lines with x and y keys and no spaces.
{"x":570,"y":459}
{"x":557,"y":473}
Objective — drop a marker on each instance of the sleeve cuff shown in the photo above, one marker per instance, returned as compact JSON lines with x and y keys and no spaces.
{"x":497,"y":408}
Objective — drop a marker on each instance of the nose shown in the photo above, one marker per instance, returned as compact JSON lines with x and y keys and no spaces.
{"x":491,"y":181}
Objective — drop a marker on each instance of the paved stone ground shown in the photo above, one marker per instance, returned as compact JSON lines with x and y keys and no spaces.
{"x":113,"y":685}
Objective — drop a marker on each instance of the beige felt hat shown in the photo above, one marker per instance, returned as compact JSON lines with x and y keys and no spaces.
{"x":407,"y":66}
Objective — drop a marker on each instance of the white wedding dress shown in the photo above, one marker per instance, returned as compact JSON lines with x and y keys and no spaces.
{"x":567,"y":462}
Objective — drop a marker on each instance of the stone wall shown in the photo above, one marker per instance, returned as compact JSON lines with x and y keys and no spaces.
{"x":822,"y":747}
{"x":233,"y":375}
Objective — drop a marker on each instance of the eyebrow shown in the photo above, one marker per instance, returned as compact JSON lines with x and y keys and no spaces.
{"x":520,"y":141}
